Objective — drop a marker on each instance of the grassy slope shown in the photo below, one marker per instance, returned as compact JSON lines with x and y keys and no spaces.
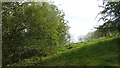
{"x":100,"y":52}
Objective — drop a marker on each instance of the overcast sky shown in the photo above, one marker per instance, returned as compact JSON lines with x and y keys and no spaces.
{"x":80,"y":14}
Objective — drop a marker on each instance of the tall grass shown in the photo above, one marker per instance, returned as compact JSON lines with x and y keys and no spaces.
{"x":100,"y":52}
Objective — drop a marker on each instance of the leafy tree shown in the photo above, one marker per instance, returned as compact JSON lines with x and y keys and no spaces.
{"x":13,"y":39}
{"x":111,"y":17}
{"x":31,"y":28}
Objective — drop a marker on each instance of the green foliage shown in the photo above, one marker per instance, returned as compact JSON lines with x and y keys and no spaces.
{"x":111,"y":17}
{"x":99,"y":52}
{"x":31,"y":28}
{"x":95,"y":35}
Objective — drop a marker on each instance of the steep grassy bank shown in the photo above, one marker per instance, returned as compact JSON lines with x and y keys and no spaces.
{"x":100,"y":52}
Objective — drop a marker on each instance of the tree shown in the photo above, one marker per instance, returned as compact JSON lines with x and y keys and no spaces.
{"x":111,"y":18}
{"x":31,"y":28}
{"x":13,"y":38}
{"x":81,"y":38}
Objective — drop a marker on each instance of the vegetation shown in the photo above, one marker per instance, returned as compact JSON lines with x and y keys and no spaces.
{"x":111,"y":18}
{"x":36,"y":34}
{"x":31,"y":29}
{"x":100,"y":52}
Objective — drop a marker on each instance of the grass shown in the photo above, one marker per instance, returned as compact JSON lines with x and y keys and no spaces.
{"x":100,"y":52}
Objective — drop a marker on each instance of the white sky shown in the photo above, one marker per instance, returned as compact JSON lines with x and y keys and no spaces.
{"x":80,"y":14}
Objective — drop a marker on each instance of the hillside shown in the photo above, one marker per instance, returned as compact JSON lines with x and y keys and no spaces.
{"x":100,"y":52}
